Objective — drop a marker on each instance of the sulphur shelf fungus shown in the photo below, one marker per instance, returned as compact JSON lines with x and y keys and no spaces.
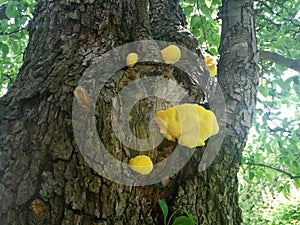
{"x":211,"y":65}
{"x":171,"y":54}
{"x":82,"y":97}
{"x":190,"y":124}
{"x":141,"y":164}
{"x":131,"y":59}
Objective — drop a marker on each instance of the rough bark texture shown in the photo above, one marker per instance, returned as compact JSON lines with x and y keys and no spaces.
{"x":43,"y":176}
{"x":238,"y":80}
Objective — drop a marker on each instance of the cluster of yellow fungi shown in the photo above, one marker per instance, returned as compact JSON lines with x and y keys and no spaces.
{"x":190,"y":124}
{"x":211,"y":65}
{"x":170,"y":55}
{"x":141,"y":164}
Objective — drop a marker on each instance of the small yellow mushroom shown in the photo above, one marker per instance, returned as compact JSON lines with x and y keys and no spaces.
{"x":82,"y":97}
{"x":190,"y":124}
{"x":131,"y":60}
{"x":211,"y":65}
{"x":171,"y":54}
{"x":141,"y":164}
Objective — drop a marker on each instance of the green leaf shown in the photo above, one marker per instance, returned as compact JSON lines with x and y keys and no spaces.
{"x":15,"y":47}
{"x":183,"y":220}
{"x":188,"y":214}
{"x":208,"y":3}
{"x":11,"y":10}
{"x":191,"y":1}
{"x":2,"y":1}
{"x":164,"y":208}
{"x":188,"y":10}
{"x":195,"y":21}
{"x":5,"y":49}
{"x":251,"y":175}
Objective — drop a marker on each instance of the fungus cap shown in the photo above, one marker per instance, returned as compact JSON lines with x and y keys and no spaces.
{"x":82,"y":97}
{"x":141,"y":164}
{"x":171,"y":54}
{"x":190,"y":124}
{"x":211,"y":65}
{"x":131,"y":59}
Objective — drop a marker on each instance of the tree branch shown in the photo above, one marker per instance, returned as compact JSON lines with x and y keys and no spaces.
{"x":13,"y":32}
{"x":291,"y":176}
{"x":2,"y":12}
{"x":279,"y":59}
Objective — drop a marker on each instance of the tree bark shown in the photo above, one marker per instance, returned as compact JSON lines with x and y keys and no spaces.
{"x":45,"y":179}
{"x":238,"y":77}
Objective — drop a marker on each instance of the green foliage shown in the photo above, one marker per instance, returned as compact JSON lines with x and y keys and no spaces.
{"x":271,"y":158}
{"x":252,"y":201}
{"x":275,"y":140}
{"x":13,"y":37}
{"x":164,"y":209}
{"x":287,"y":213}
{"x":203,"y":22}
{"x":179,"y":217}
{"x":278,"y":27}
{"x":263,"y":205}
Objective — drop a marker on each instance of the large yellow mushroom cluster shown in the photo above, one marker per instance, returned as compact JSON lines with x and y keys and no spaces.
{"x":190,"y":124}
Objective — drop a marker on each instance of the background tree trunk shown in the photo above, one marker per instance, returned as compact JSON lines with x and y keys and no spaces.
{"x":44,"y":178}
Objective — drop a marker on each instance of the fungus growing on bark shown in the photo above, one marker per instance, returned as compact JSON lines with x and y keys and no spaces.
{"x":141,"y":164}
{"x":38,"y":207}
{"x":211,"y":65}
{"x":171,"y":54}
{"x":190,"y":124}
{"x":82,"y":97}
{"x":131,"y":59}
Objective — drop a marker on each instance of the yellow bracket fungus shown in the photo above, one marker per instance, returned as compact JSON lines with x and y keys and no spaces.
{"x":211,"y":65}
{"x":131,"y":59}
{"x":141,"y":164}
{"x":171,"y":54}
{"x":190,"y":124}
{"x":82,"y":97}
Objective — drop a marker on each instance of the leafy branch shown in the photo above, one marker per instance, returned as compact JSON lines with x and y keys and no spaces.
{"x":291,"y":176}
{"x":278,"y":128}
{"x":13,"y":32}
{"x":179,"y":220}
{"x":279,"y":59}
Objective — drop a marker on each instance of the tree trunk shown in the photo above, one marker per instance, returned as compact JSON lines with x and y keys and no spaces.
{"x":46,"y":178}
